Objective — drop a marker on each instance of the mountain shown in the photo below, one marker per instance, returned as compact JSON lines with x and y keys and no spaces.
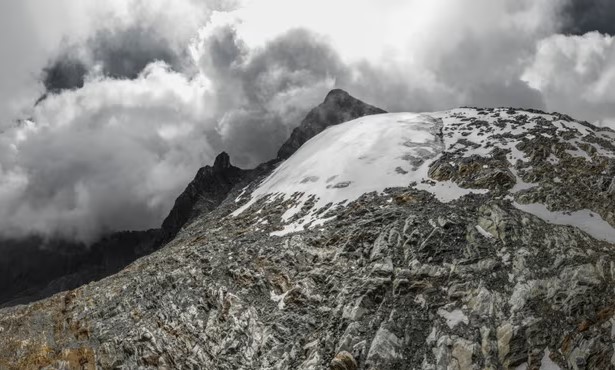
{"x":34,"y":267}
{"x":465,"y":239}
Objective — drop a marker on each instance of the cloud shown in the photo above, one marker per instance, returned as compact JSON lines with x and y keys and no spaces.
{"x":263,"y":92}
{"x":126,"y":43}
{"x":116,"y":53}
{"x":58,"y":40}
{"x":583,"y":16}
{"x":109,"y":156}
{"x":575,"y":74}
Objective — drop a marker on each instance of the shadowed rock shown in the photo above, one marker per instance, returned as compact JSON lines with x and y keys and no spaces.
{"x":208,"y":189}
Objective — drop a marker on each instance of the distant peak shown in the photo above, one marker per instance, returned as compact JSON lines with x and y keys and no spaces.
{"x":336,"y":95}
{"x":222,"y":161}
{"x":338,"y":107}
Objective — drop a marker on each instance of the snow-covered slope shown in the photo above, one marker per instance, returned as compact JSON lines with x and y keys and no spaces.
{"x":368,"y":154}
{"x":449,"y":154}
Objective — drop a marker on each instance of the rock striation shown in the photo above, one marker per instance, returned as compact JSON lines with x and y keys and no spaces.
{"x":516,"y":269}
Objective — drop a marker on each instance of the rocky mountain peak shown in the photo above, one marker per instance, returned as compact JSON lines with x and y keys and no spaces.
{"x":222,"y":162}
{"x":336,"y":96}
{"x":338,"y":107}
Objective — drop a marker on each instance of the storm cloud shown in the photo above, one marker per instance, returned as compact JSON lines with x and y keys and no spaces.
{"x":114,"y":53}
{"x":583,"y":16}
{"x":134,"y":105}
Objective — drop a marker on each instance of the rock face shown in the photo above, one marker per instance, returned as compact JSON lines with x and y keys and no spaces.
{"x":338,"y":107}
{"x":403,"y":278}
{"x":208,"y":189}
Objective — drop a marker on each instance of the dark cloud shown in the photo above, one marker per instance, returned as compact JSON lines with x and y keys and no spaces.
{"x":124,"y":53}
{"x":582,"y":16}
{"x":120,"y":53}
{"x":66,"y":73}
{"x":513,"y":93}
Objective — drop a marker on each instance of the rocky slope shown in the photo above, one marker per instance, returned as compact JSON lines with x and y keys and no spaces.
{"x":465,"y":239}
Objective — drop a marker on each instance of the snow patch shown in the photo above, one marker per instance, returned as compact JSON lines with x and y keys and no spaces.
{"x":453,"y":318}
{"x":520,"y":184}
{"x":447,"y":191}
{"x":585,"y":220}
{"x":279,"y":298}
{"x":546,"y":363}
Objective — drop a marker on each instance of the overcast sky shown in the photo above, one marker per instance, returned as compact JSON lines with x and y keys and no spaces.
{"x":108,"y":108}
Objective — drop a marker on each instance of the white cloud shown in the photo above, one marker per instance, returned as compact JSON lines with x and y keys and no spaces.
{"x":109,"y":156}
{"x":34,"y":31}
{"x":575,"y":74}
{"x":432,"y":54}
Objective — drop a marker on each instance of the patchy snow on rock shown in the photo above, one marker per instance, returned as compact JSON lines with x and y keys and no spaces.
{"x":382,"y":151}
{"x":357,"y":157}
{"x":585,"y":220}
{"x":579,"y":153}
{"x":546,"y":363}
{"x":461,"y":132}
{"x":453,"y":318}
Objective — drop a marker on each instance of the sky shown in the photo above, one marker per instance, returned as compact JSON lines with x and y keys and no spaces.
{"x":108,"y":109}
